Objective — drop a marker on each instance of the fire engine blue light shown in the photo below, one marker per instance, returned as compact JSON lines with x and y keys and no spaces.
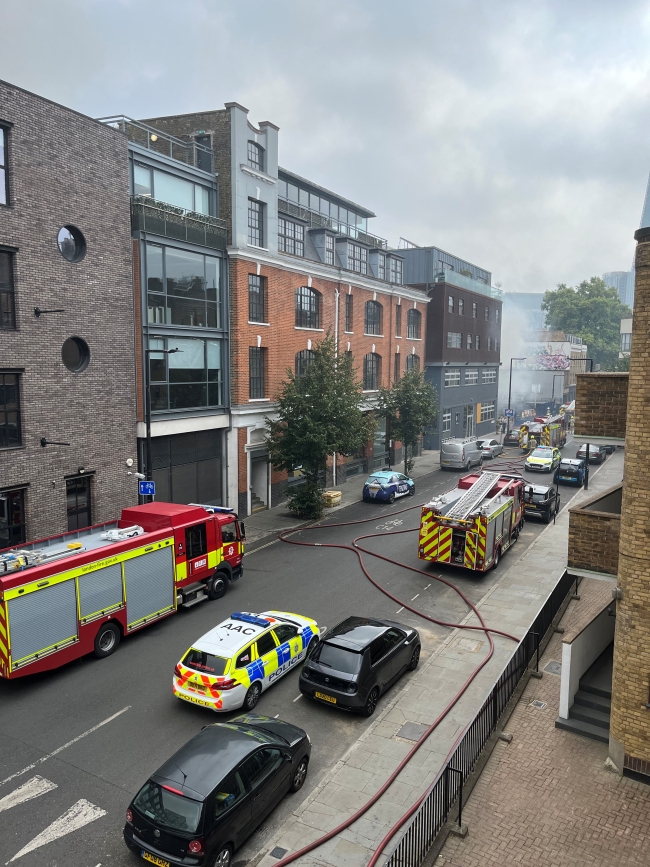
{"x":250,"y":618}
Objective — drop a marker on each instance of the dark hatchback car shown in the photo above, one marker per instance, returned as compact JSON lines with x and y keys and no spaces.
{"x":201,"y":805}
{"x":597,"y":453}
{"x":542,"y":501}
{"x":570,"y":472}
{"x":358,"y":661}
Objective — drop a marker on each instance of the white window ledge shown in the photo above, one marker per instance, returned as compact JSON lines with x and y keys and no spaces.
{"x":255,"y":247}
{"x":265,"y":324}
{"x":302,"y":328}
{"x":348,"y":332}
{"x":370,"y":391}
{"x":372,"y":335}
{"x":415,"y":338}
{"x":259,"y":399}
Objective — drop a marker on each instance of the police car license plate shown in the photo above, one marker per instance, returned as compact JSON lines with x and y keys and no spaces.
{"x":155,"y":859}
{"x":200,"y":686}
{"x":329,"y":698}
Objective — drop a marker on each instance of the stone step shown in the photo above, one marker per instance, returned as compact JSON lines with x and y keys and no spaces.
{"x":596,"y":733}
{"x":585,"y":686}
{"x":590,"y":699}
{"x":589,"y":715}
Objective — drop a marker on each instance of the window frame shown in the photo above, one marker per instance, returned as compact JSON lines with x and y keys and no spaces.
{"x":371,"y":371}
{"x":396,"y":271}
{"x":256,"y":373}
{"x":452,"y":374}
{"x":8,"y":293}
{"x":257,"y":306}
{"x":454,"y":340}
{"x":308,"y":315}
{"x":468,"y":340}
{"x":474,"y":310}
{"x":471,"y":376}
{"x":256,"y":223}
{"x":413,"y":324}
{"x":487,"y":412}
{"x":489,"y":376}
{"x":373,"y":316}
{"x":329,"y":249}
{"x":477,"y":343}
{"x":397,"y":372}
{"x":357,"y":258}
{"x":398,"y":320}
{"x":412,"y":362}
{"x":302,"y":360}
{"x":487,"y":313}
{"x":164,"y":297}
{"x":8,"y":538}
{"x":450,"y":303}
{"x":446,"y":421}
{"x":5,"y":412}
{"x":349,"y":313}
{"x":489,"y":344}
{"x":257,"y":161}
{"x":167,"y":383}
{"x":461,"y":307}
{"x":291,"y":237}
{"x":4,"y":166}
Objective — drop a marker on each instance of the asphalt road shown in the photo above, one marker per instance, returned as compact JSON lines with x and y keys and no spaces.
{"x":81,"y":792}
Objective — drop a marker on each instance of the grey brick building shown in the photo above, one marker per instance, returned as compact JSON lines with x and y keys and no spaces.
{"x":66,"y":326}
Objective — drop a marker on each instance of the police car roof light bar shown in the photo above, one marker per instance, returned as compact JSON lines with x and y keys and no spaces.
{"x":250,"y":618}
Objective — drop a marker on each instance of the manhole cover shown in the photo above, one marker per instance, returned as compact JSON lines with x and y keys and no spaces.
{"x":278,"y":852}
{"x":412,"y":731}
{"x":540,"y":705}
{"x":554,"y":668}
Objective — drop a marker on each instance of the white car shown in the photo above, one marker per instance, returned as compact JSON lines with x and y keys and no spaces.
{"x":490,"y":447}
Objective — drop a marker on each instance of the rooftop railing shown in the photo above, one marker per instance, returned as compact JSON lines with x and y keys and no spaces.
{"x":464,"y":282}
{"x":159,"y":218}
{"x":189,"y":152}
{"x":320,"y":221}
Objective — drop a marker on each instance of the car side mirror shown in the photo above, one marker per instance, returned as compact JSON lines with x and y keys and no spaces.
{"x":286,"y":757}
{"x":242,"y":530}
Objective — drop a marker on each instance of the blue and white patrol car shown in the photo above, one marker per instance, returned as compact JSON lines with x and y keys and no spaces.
{"x":386,"y":485}
{"x":231,"y":665}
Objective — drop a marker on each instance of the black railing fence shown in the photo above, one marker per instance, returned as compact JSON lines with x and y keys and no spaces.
{"x":424,"y":827}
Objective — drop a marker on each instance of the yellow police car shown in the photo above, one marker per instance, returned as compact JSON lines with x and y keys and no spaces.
{"x":543,"y":459}
{"x":231,"y":665}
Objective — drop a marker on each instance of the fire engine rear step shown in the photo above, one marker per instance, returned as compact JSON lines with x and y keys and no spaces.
{"x":474,"y":495}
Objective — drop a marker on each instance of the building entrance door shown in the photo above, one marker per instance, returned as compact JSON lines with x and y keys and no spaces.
{"x":77,"y":492}
{"x":259,"y":480}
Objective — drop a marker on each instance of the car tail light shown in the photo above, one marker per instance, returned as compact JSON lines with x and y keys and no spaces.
{"x":226,"y":684}
{"x":129,"y":816}
{"x":196,"y":846}
{"x":178,"y":672}
{"x":462,"y":457}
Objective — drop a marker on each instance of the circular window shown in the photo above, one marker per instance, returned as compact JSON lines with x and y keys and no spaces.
{"x":75,"y":354}
{"x":72,"y":243}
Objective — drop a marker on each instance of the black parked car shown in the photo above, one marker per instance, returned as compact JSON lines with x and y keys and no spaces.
{"x":541,"y":500}
{"x":358,"y":661}
{"x":213,"y":793}
{"x":597,"y":453}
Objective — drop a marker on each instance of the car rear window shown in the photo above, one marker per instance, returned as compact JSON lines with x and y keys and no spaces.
{"x":540,"y":498}
{"x":373,"y":480}
{"x":168,"y":809}
{"x":571,"y":469}
{"x":205,"y":662}
{"x":338,"y":658}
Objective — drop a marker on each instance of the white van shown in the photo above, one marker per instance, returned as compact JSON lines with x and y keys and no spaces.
{"x":460,"y":454}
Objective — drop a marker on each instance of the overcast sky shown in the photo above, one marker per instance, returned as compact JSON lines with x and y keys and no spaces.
{"x":514,"y":134}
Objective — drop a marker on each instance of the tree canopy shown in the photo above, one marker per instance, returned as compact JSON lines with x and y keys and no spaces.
{"x":409,"y":404}
{"x":319,"y":414}
{"x":592,"y":310}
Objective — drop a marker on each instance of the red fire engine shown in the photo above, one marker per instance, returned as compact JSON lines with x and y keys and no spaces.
{"x":475,"y":523}
{"x":81,"y":592}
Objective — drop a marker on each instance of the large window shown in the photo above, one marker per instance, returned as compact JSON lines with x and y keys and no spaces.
{"x":395,"y":274}
{"x":171,"y":189}
{"x":77,"y":496}
{"x":450,"y":303}
{"x":398,"y":320}
{"x":4,"y":186}
{"x":347,"y":220}
{"x":474,"y":310}
{"x":291,"y":237}
{"x":187,"y":379}
{"x":187,"y":467}
{"x":626,"y":340}
{"x":396,"y":368}
{"x":446,"y":421}
{"x":454,"y":340}
{"x":7,"y":307}
{"x":303,"y":359}
{"x":461,"y":307}
{"x":307,"y":308}
{"x":381,"y":266}
{"x":413,"y":324}
{"x":256,"y":359}
{"x":255,"y":223}
{"x":372,"y":319}
{"x":487,"y":412}
{"x":357,"y":258}
{"x":412,"y":362}
{"x":255,"y":156}
{"x":256,"y":298}
{"x":349,"y":313}
{"x":489,"y":375}
{"x":471,"y":377}
{"x":371,"y":371}
{"x":10,"y":426}
{"x":329,"y":250}
{"x":452,"y":377}
{"x":183,"y":288}
{"x":12,"y":518}
{"x":469,"y":340}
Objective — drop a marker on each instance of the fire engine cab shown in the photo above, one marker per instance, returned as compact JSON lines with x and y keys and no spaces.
{"x":475,"y":523}
{"x":551,"y":431}
{"x":81,"y":592}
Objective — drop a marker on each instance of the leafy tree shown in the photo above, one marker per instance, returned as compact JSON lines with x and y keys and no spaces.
{"x":622,"y":365}
{"x":319,"y":413}
{"x":591,"y":311}
{"x":409,"y":404}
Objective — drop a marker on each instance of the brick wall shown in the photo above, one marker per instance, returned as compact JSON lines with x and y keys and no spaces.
{"x":594,"y":534}
{"x":601,"y":404}
{"x":66,"y":168}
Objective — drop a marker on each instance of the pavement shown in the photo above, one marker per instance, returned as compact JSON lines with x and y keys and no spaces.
{"x":511,"y":604}
{"x":548,"y":798}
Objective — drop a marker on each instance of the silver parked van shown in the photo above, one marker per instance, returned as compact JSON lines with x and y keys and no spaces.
{"x":460,"y":454}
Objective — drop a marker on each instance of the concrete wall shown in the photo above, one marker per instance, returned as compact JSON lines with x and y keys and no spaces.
{"x":594,"y":533}
{"x":601,"y":404}
{"x":580,"y":653}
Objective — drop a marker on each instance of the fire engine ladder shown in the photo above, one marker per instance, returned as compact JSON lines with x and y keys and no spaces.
{"x":474,"y":495}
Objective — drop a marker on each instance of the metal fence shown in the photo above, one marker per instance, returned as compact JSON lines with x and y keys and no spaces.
{"x":159,"y":218}
{"x":424,"y":827}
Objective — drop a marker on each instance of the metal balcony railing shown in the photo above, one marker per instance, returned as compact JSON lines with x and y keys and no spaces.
{"x":159,"y":218}
{"x":189,"y":152}
{"x":320,"y":221}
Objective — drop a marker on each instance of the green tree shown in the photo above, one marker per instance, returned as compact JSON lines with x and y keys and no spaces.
{"x":592,"y":310}
{"x":409,"y":404}
{"x":319,"y":414}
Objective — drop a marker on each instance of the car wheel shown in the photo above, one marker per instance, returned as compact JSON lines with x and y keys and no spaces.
{"x":467,"y":466}
{"x":223,"y":858}
{"x":391,"y":499}
{"x":415,"y":658}
{"x":251,"y":699}
{"x":480,"y":461}
{"x":299,"y":775}
{"x":412,"y":491}
{"x":371,"y":702}
{"x":217,"y":586}
{"x":107,"y":640}
{"x":497,"y":557}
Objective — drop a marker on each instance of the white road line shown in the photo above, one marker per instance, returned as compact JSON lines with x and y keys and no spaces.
{"x":427,"y":587}
{"x":31,"y":789}
{"x":399,"y":609}
{"x":65,"y":746}
{"x":415,"y":597}
{"x":80,"y":814}
{"x":276,"y":716}
{"x":297,"y":697}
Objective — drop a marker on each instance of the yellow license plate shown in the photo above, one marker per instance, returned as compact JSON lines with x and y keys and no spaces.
{"x":155,"y":859}
{"x":322,"y":695}
{"x":200,"y":686}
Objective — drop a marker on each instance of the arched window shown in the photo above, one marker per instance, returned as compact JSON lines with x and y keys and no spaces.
{"x":255,"y":156}
{"x":413,"y":324}
{"x":412,"y":362}
{"x":303,"y":359}
{"x":371,"y":371}
{"x":372,"y":321}
{"x":307,"y":307}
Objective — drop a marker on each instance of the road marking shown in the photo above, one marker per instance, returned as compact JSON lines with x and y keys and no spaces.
{"x":415,"y":597}
{"x":427,"y":587}
{"x":31,"y":789}
{"x":80,"y":814}
{"x":399,"y":609}
{"x":297,"y":697}
{"x":65,"y":746}
{"x":276,"y":716}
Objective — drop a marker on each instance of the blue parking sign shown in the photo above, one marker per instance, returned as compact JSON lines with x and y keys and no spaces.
{"x":147,"y":489}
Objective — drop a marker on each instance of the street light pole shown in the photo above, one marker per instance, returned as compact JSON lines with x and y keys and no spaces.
{"x":510,"y":388}
{"x":147,"y":404}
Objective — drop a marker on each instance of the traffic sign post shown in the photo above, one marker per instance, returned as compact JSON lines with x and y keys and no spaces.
{"x":509,"y":413}
{"x":147,"y":489}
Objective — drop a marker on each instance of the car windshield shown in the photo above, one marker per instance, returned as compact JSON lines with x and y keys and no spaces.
{"x":338,"y":658}
{"x":540,"y":498}
{"x":543,"y":453}
{"x":199,"y":660}
{"x":168,"y":809}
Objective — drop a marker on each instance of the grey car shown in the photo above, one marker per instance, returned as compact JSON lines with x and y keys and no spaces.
{"x":490,"y":447}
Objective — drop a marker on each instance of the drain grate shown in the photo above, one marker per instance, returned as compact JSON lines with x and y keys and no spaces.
{"x":554,"y":668}
{"x":278,"y":852}
{"x":540,"y":705}
{"x":412,"y":731}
